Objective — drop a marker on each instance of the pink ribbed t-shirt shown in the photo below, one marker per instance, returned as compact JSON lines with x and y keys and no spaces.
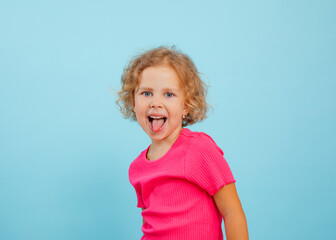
{"x":177,"y":189}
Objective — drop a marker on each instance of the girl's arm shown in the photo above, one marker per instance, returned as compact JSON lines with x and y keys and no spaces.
{"x":229,"y":205}
{"x":143,"y":220}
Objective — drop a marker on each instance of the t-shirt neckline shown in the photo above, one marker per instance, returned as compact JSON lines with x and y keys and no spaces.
{"x":163,"y":157}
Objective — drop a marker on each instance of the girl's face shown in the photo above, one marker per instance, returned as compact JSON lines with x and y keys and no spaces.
{"x":159,"y":103}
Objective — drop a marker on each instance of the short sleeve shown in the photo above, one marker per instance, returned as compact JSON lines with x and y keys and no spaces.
{"x":206,"y":166}
{"x":140,"y":201}
{"x":132,"y":174}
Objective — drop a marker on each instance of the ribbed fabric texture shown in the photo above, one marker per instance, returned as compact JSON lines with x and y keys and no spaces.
{"x":177,"y":189}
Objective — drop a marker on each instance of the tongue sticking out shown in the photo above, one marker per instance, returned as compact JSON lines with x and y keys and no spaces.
{"x":157,"y":124}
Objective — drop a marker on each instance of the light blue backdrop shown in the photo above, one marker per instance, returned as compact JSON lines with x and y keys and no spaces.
{"x":65,"y":149}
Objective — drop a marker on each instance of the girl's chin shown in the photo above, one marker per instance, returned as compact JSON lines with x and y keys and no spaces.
{"x":164,"y":134}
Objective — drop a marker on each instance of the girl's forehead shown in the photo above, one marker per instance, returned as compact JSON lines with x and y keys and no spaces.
{"x":160,"y":76}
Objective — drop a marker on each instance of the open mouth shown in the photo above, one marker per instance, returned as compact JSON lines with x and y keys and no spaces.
{"x":157,"y":123}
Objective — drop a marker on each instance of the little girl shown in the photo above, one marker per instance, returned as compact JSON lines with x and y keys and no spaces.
{"x":182,"y":181}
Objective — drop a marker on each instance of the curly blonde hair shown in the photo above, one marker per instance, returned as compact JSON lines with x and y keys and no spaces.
{"x":194,"y":88}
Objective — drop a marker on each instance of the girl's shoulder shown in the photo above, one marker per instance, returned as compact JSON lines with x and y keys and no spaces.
{"x":198,"y":136}
{"x":199,"y":139}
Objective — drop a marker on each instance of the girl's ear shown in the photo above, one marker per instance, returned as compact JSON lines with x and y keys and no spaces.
{"x":133,"y":101}
{"x":185,"y":110}
{"x":133,"y":107}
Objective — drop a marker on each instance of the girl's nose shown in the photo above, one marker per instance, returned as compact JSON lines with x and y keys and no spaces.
{"x":156,"y":103}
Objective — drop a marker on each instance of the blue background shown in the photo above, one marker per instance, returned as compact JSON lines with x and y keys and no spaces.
{"x":65,"y":149}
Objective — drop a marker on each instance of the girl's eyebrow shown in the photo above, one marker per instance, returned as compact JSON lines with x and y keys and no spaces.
{"x":145,"y":89}
{"x":170,"y":90}
{"x":163,"y":90}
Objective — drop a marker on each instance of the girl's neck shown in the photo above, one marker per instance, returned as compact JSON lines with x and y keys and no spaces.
{"x":159,"y":148}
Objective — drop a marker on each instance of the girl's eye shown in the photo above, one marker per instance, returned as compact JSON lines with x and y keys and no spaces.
{"x":169,"y":94}
{"x":146,"y":94}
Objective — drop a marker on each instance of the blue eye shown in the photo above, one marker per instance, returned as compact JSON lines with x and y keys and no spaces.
{"x":170,"y":95}
{"x":146,"y":94}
